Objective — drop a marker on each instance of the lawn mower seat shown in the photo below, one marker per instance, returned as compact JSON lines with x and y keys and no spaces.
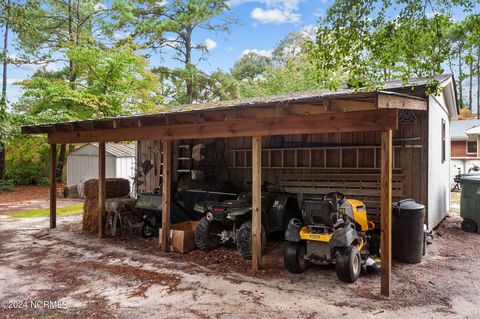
{"x":318,"y":212}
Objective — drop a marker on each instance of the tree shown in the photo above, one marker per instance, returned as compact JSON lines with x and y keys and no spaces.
{"x":206,"y":87}
{"x":10,"y":15}
{"x":108,"y":82}
{"x":5,"y":7}
{"x":369,"y":40}
{"x":162,"y":24}
{"x":52,"y":28}
{"x":250,"y":66}
{"x":289,"y":71}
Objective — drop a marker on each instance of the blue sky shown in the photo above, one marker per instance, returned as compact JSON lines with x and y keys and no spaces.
{"x":262,"y":24}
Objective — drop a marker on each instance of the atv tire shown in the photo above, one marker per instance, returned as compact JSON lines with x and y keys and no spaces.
{"x":294,"y":257}
{"x":147,"y":231}
{"x":348,"y":264}
{"x":204,"y":238}
{"x":244,"y":240}
{"x":469,"y":226}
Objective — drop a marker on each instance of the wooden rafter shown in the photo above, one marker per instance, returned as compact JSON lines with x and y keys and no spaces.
{"x":376,"y":120}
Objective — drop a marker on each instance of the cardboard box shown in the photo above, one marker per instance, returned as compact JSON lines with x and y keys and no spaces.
{"x":182,"y":237}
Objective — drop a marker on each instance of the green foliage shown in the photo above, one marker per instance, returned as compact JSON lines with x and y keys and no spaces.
{"x":27,"y":160}
{"x":205,"y":87}
{"x":107,"y":83}
{"x":6,"y":185}
{"x":250,"y":66}
{"x":372,"y":41}
{"x":289,"y":71}
{"x":158,"y":25}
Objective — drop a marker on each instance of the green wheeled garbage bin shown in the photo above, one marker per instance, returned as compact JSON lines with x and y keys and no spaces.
{"x":470,"y":203}
{"x":408,"y":232}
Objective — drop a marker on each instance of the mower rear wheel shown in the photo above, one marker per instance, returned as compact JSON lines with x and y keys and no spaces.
{"x":244,"y":240}
{"x":294,"y":257}
{"x":205,"y":234}
{"x":469,"y":225}
{"x":348,"y":264}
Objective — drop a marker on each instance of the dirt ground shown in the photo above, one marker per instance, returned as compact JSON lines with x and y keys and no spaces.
{"x":25,"y":193}
{"x":28,"y":197}
{"x":130,"y":278}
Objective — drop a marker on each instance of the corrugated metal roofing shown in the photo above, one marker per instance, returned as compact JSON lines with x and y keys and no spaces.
{"x":297,"y":97}
{"x":313,"y":97}
{"x":458,"y":128}
{"x":114,"y":149}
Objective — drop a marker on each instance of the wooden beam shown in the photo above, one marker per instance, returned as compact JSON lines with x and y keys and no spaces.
{"x":386,"y":211}
{"x":391,"y":101}
{"x":375,"y":120}
{"x":256,"y":201}
{"x":166,"y":193}
{"x":53,"y":186}
{"x":101,"y":189}
{"x":348,"y":105}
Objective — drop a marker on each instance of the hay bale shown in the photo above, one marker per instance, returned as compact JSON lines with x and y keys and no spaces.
{"x":90,"y":215}
{"x":114,"y":187}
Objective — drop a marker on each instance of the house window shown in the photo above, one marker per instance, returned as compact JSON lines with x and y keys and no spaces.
{"x":472,"y":147}
{"x":444,"y":145}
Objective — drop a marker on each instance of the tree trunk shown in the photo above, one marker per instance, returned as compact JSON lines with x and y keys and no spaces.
{"x":72,"y":78}
{"x":61,"y":161}
{"x":188,"y":61}
{"x":470,"y":84}
{"x":478,"y":84}
{"x":3,"y":98}
{"x":460,"y":77}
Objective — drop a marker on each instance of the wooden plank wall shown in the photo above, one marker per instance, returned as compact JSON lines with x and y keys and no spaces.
{"x":410,"y":158}
{"x":149,"y":151}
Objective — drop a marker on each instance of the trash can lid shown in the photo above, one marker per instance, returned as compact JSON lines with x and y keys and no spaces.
{"x":408,"y":206}
{"x":470,"y":179}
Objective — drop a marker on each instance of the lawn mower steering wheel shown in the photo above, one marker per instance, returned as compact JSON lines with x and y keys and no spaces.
{"x":340,"y":196}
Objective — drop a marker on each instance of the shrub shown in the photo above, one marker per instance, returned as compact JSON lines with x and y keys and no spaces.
{"x":27,"y":160}
{"x":6,"y":185}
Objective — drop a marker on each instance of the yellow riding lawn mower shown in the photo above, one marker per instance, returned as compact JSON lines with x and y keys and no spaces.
{"x":334,"y":230}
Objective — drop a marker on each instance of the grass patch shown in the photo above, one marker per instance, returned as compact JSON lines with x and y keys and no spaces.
{"x":61,"y":212}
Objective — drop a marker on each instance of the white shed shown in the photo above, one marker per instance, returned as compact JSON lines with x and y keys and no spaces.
{"x":82,"y":163}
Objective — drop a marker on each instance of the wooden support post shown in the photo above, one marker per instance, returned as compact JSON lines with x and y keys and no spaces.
{"x":101,"y":190}
{"x":53,"y":186}
{"x":166,"y":193}
{"x":386,"y":211}
{"x":256,"y":201}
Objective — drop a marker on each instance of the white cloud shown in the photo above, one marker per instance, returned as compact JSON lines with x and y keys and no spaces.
{"x":265,"y":53}
{"x":50,"y":66}
{"x":210,"y":44}
{"x":275,"y":11}
{"x":99,"y":6}
{"x":13,"y":81}
{"x":276,"y":16}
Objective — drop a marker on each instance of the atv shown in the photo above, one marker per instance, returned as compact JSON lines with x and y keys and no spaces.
{"x":333,"y":231}
{"x":230,"y":222}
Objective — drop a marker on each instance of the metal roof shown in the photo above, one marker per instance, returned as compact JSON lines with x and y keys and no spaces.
{"x":301,"y":97}
{"x":458,"y":128}
{"x":113,"y":149}
{"x":413,"y":88}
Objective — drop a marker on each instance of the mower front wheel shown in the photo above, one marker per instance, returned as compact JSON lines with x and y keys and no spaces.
{"x":348,"y":264}
{"x":294,"y":257}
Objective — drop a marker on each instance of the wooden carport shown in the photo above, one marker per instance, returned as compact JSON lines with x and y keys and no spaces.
{"x":306,"y":113}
